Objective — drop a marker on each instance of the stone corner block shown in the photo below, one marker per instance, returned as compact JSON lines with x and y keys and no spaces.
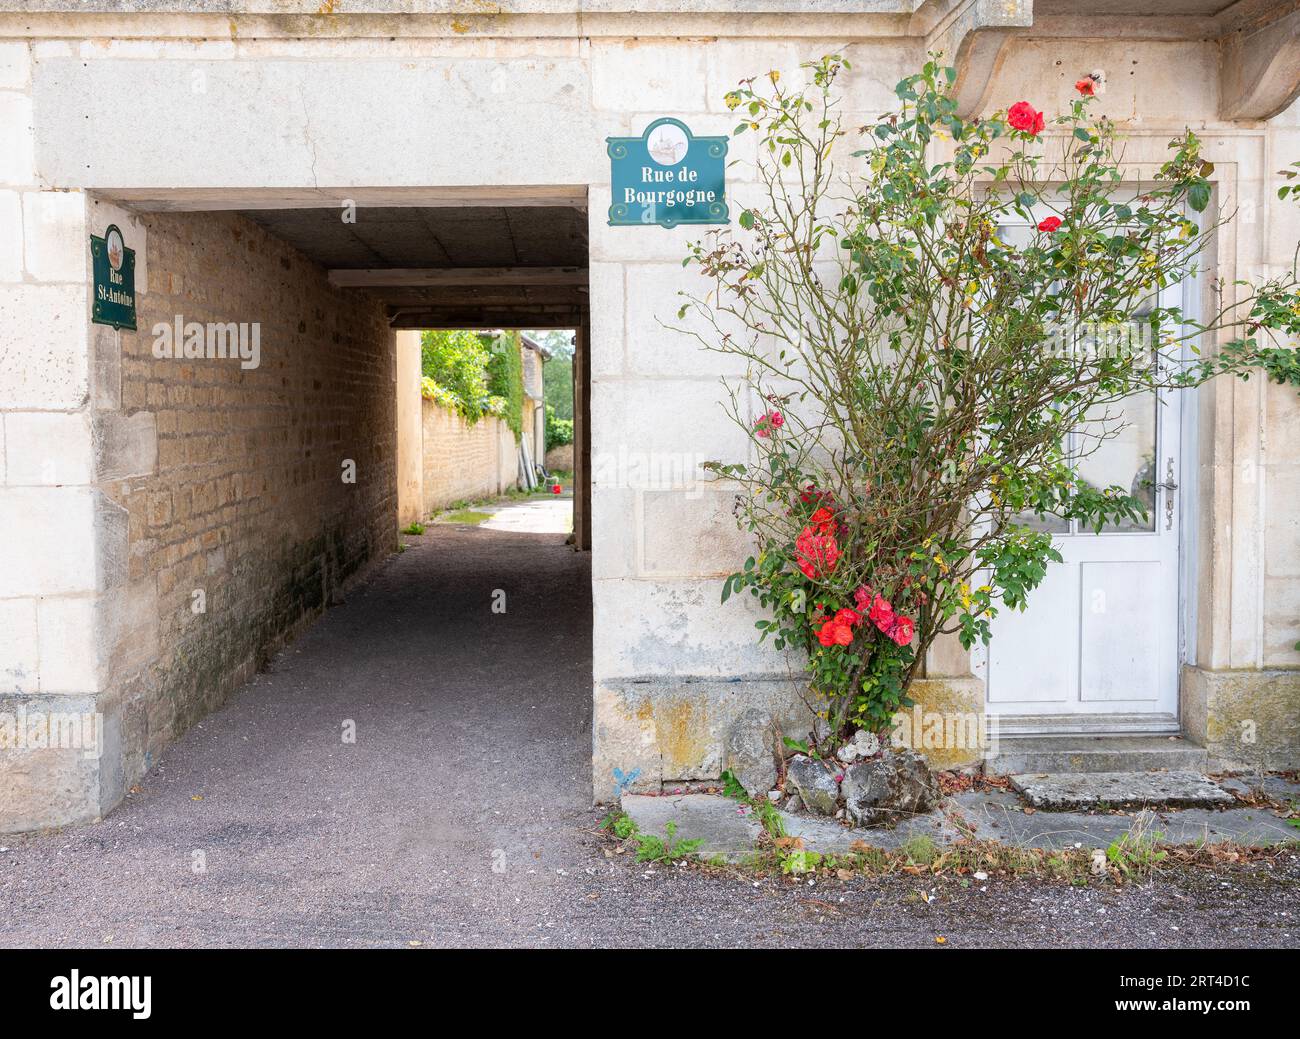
{"x":125,"y":445}
{"x":1243,"y":718}
{"x":60,"y":761}
{"x":947,"y":723}
{"x":674,"y":728}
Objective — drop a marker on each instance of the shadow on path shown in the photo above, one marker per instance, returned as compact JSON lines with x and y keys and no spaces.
{"x":261,"y":826}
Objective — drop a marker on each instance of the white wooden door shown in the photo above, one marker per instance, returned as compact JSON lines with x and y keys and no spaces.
{"x":1100,"y":635}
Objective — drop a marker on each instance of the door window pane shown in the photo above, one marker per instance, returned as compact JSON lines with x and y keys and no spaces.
{"x":1117,"y":448}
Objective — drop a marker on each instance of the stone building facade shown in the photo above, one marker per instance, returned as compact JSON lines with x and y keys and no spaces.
{"x":130,"y":482}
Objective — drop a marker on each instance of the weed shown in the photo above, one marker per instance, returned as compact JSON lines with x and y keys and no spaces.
{"x":1136,"y":854}
{"x":620,"y":824}
{"x":650,"y":848}
{"x":799,"y":860}
{"x":919,"y":850}
{"x":666,"y":849}
{"x":733,"y":788}
{"x":769,"y":818}
{"x":466,"y":516}
{"x":413,"y":528}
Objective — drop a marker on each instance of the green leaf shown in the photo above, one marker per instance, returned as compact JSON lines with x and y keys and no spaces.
{"x":1198,"y":195}
{"x":733,"y":788}
{"x":746,"y":219}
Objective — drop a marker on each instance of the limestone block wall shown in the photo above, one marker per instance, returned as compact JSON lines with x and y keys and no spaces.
{"x":674,"y":667}
{"x":169,"y":523}
{"x":53,"y":573}
{"x":274,"y":487}
{"x":463,"y":461}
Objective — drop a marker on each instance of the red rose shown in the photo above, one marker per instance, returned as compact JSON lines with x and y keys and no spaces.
{"x":764,"y":424}
{"x":823,"y":521}
{"x":838,"y":630}
{"x":816,"y":553}
{"x":863,"y":596}
{"x":1086,"y":86}
{"x":1050,"y":224}
{"x":882,"y":614}
{"x":1024,"y":117}
{"x":901,"y":632}
{"x":812,"y":494}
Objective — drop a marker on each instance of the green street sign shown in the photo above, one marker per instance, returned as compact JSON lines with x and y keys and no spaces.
{"x":113,"y":265}
{"x":668,"y":177}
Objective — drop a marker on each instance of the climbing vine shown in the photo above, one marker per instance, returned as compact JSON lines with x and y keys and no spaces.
{"x":506,"y":378}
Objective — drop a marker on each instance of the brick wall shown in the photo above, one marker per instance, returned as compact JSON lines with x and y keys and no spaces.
{"x":463,"y":461}
{"x":247,"y":505}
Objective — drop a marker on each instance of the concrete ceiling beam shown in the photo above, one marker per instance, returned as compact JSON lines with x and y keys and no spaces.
{"x":187,"y":200}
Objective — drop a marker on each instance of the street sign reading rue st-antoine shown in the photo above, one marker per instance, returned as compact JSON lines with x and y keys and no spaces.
{"x":668,"y":177}
{"x":114,"y":280}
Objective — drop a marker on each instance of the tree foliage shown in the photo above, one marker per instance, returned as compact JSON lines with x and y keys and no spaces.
{"x":454,"y":373}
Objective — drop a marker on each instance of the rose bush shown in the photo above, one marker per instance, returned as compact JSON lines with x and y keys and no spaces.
{"x":904,"y":356}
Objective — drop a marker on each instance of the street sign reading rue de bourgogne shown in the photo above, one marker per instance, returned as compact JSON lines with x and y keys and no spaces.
{"x":667,"y":177}
{"x":113,"y":265}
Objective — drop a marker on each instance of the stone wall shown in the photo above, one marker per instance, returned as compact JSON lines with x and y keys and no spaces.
{"x":463,"y":461}
{"x":664,"y":650}
{"x":252,"y":507}
{"x":173,"y":521}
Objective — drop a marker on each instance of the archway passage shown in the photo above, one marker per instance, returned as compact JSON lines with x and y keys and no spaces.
{"x":447,"y":267}
{"x":249,"y":435}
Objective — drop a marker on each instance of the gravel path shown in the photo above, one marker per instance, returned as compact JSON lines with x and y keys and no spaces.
{"x":461,"y":815}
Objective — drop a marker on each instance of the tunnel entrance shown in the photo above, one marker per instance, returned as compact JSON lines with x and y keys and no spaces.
{"x":281,"y":406}
{"x":481,"y":268}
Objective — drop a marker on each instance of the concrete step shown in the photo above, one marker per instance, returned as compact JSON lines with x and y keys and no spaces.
{"x":1100,"y":753}
{"x":1064,"y":791}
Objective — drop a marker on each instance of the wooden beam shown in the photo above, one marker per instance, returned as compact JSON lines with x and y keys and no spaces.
{"x":180,"y":200}
{"x":489,"y":317}
{"x":459,"y":298}
{"x":441,"y":277}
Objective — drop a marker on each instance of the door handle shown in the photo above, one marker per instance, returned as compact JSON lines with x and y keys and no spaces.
{"x":1169,"y":486}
